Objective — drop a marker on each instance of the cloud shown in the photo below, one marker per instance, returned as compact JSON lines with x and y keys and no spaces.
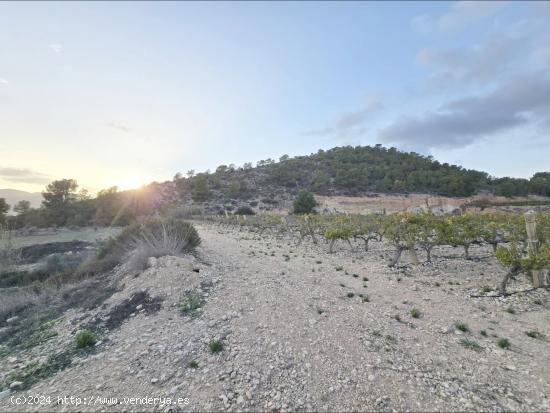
{"x":463,"y":13}
{"x":491,"y":60}
{"x":21,"y":175}
{"x":56,"y":47}
{"x":3,"y":81}
{"x":119,"y":127}
{"x":461,"y":122}
{"x":349,"y":124}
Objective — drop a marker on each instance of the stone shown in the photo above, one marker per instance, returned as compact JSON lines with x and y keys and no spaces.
{"x":12,"y":320}
{"x":16,"y":385}
{"x":151,"y":262}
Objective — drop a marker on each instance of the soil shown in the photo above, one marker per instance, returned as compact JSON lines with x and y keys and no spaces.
{"x":299,"y":334}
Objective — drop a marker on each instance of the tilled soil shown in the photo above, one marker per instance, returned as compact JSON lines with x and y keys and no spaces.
{"x":304,"y":330}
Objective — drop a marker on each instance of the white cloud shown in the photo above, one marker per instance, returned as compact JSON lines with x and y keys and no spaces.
{"x":458,"y":17}
{"x":56,"y":47}
{"x":464,"y":12}
{"x":3,"y":81}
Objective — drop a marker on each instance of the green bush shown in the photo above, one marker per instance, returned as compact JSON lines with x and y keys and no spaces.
{"x":304,"y":203}
{"x":85,"y":338}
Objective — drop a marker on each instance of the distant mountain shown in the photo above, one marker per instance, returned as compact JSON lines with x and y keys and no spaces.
{"x":13,"y":196}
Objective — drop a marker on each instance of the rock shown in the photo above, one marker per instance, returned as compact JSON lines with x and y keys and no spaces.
{"x":139,"y":307}
{"x":16,"y":385}
{"x":12,"y":320}
{"x":154,"y":380}
{"x":151,"y":262}
{"x":4,"y":393}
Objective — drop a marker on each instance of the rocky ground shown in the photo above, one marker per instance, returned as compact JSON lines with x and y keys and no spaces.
{"x":302,"y":330}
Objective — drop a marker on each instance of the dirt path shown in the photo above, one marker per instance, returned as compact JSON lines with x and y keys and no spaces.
{"x":298,"y":336}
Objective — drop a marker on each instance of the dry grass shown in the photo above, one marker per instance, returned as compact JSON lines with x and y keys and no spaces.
{"x":161,"y":238}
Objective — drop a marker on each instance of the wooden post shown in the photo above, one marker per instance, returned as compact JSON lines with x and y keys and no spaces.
{"x":533,"y":245}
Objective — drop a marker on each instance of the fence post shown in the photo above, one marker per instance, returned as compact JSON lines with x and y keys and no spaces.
{"x":533,"y":245}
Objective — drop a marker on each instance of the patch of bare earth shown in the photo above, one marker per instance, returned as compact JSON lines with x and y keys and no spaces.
{"x":300,"y":334}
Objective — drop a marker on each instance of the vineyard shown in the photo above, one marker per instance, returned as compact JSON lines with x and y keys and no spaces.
{"x":507,"y":234}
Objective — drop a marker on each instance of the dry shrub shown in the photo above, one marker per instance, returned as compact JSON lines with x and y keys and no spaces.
{"x":138,"y":242}
{"x":158,"y":238}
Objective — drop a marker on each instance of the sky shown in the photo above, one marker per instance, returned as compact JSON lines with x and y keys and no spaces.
{"x":124,"y":93}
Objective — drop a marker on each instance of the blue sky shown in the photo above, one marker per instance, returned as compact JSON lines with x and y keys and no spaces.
{"x":124,"y":93}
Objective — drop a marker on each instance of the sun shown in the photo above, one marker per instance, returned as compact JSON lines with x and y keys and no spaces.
{"x":130,"y":182}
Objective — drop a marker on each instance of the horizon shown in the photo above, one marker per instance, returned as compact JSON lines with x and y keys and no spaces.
{"x":124,"y":94}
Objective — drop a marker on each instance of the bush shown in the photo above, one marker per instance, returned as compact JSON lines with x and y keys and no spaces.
{"x":85,"y":338}
{"x":304,"y":203}
{"x":158,"y":238}
{"x":244,"y":210}
{"x":154,"y":238}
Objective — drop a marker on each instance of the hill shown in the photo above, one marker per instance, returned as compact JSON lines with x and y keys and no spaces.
{"x":13,"y":196}
{"x":353,"y":171}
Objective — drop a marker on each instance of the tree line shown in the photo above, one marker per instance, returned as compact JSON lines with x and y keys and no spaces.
{"x":63,"y":204}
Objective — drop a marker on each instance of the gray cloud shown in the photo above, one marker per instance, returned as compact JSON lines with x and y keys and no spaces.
{"x":349,"y":124}
{"x":20,"y":175}
{"x":521,"y":101}
{"x":494,"y":58}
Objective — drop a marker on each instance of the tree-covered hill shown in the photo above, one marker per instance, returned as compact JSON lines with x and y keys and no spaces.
{"x":354,"y":171}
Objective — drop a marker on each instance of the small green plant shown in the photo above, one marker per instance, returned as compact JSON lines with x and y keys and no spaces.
{"x":215,"y":346}
{"x":486,"y":289}
{"x":504,"y":343}
{"x":471,"y":344}
{"x":511,"y":310}
{"x":339,"y":268}
{"x":537,"y":302}
{"x":355,"y":275}
{"x":366,"y":299}
{"x":437,"y":284}
{"x":483,"y":333}
{"x":376,"y":333}
{"x":85,"y":338}
{"x":534,"y":334}
{"x":462,"y":327}
{"x":350,"y":295}
{"x":190,"y":304}
{"x":415,"y":313}
{"x":193,"y":365}
{"x":397,"y":317}
{"x":391,"y":338}
{"x":365,"y":279}
{"x":342,"y":285}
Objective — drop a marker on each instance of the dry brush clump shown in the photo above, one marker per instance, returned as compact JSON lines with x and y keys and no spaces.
{"x":153,"y":238}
